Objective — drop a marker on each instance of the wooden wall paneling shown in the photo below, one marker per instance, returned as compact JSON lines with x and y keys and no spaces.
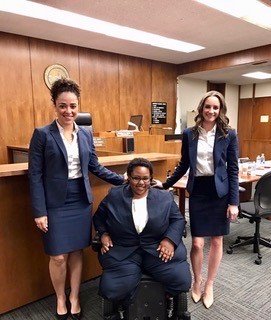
{"x":256,"y":147}
{"x":100,"y":88}
{"x":45,"y":53}
{"x":227,"y":60}
{"x":261,"y":130}
{"x":135,"y":89}
{"x":16,"y":116}
{"x":245,"y":114}
{"x":164,"y":86}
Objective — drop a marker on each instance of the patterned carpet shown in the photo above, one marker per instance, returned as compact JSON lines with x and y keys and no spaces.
{"x":242,"y":289}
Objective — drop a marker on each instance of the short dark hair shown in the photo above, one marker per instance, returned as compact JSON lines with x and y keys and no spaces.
{"x":64,"y":85}
{"x":139,"y":162}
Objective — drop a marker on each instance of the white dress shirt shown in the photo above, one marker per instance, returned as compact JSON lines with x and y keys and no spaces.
{"x":140,"y":213}
{"x":205,"y":157}
{"x":74,"y":165}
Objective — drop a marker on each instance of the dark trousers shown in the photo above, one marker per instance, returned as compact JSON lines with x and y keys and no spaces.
{"x":120,"y":279}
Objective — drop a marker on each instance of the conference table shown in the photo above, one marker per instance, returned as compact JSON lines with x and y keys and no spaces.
{"x":245,"y":180}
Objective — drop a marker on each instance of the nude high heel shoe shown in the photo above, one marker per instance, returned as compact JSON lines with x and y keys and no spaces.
{"x":195,"y":295}
{"x":208,"y":299}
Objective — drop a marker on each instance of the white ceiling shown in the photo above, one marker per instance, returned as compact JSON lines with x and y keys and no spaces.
{"x":184,"y":20}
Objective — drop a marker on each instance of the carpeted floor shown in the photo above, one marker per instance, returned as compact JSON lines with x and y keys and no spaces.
{"x":242,"y":290}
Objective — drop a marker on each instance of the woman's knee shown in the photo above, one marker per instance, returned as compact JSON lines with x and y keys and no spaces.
{"x":59,"y":260}
{"x":197,"y":244}
{"x":217,"y":242}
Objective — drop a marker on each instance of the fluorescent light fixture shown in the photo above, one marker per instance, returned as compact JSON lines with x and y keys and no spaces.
{"x":257,"y":75}
{"x":74,"y":20}
{"x":253,"y":11}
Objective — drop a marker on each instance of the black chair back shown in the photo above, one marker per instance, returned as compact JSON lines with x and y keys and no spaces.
{"x":261,"y":209}
{"x":262,"y":196}
{"x":84,"y":120}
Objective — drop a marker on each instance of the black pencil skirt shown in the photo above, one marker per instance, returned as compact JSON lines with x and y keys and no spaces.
{"x":69,"y":226}
{"x":208,"y":212}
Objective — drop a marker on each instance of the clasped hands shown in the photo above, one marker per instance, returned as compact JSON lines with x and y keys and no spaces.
{"x":165,"y":247}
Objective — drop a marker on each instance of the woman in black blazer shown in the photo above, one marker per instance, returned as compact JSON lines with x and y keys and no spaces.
{"x":210,"y":152}
{"x":61,"y":155}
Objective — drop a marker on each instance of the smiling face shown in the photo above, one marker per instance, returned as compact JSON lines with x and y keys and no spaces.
{"x":210,"y":111}
{"x":66,"y":107}
{"x":139,"y":181}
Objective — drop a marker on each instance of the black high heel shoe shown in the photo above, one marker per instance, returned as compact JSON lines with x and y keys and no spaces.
{"x":62,"y":316}
{"x":76,"y":316}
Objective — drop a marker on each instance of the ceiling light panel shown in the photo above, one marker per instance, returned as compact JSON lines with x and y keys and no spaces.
{"x":74,"y":20}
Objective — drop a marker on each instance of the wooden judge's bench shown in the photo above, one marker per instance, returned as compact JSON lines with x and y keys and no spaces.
{"x":23,"y":264}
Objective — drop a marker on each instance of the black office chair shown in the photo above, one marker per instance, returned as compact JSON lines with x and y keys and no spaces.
{"x":262,"y":209}
{"x":84,"y":120}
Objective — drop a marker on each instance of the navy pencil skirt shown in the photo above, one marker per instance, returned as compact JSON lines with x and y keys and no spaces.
{"x":69,"y":226}
{"x":208,"y":212}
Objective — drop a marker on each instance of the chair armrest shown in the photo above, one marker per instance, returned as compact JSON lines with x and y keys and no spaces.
{"x":246,"y":214}
{"x":96,"y":243}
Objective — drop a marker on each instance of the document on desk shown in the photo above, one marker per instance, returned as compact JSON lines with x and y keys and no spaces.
{"x":261,"y":172}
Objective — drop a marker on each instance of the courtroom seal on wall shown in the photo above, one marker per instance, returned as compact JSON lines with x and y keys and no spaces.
{"x":53,"y":73}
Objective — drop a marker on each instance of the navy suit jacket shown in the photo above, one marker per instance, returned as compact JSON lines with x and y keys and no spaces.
{"x":48,"y":167}
{"x":114,"y":216}
{"x":225,"y":157}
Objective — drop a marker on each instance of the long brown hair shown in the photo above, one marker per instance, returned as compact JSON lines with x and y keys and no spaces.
{"x":222,"y":120}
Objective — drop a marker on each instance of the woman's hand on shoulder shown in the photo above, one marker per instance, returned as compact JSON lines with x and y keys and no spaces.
{"x":125,"y":176}
{"x":155,"y":183}
{"x":106,"y":243}
{"x":232,"y":212}
{"x":42,"y":223}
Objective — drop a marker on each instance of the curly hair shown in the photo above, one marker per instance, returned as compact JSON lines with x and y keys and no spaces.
{"x":139,"y":162}
{"x":222,"y":120}
{"x":64,"y":85}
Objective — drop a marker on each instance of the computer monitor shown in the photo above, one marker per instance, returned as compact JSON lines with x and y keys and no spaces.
{"x":137,"y":120}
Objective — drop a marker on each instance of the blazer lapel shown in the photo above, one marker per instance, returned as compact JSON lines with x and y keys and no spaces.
{"x":82,"y":145}
{"x":152,"y":211}
{"x":193,"y":145}
{"x":56,"y":135}
{"x":218,"y":147}
{"x":128,"y":199}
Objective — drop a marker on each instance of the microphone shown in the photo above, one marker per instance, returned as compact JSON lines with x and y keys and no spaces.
{"x":133,"y":125}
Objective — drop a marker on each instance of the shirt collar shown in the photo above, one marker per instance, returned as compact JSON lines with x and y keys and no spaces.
{"x":202,"y":130}
{"x":61,"y":129}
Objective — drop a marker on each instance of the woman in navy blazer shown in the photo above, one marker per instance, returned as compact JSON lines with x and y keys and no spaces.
{"x":210,"y":152}
{"x":61,"y":155}
{"x":141,"y":230}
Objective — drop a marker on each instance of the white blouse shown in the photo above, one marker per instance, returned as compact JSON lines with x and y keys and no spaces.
{"x":140,"y":213}
{"x":74,"y":165}
{"x":205,"y":159}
